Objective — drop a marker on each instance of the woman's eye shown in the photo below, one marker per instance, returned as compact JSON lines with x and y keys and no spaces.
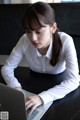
{"x":38,"y":32}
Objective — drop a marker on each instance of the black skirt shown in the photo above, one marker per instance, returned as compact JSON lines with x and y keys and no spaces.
{"x":41,"y":81}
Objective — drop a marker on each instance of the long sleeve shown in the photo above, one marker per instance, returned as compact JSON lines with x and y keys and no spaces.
{"x":11,"y":63}
{"x":71,"y":81}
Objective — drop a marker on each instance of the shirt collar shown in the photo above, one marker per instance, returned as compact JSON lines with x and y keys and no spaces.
{"x":49,"y":51}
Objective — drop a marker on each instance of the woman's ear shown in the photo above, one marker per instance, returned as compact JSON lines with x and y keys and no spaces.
{"x":54,"y":27}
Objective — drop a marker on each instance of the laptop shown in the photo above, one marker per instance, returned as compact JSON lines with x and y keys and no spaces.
{"x":12,"y":105}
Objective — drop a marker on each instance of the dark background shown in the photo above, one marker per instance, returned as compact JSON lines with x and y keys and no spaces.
{"x":11,"y":26}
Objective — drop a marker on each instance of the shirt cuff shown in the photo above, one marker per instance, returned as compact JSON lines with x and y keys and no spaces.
{"x":45,"y":97}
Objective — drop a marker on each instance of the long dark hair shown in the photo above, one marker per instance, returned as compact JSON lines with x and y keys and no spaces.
{"x":42,"y":12}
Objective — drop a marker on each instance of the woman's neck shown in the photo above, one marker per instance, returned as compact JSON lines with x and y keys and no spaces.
{"x":43,"y":51}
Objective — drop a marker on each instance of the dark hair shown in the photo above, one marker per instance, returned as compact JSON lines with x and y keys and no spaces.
{"x":42,"y":12}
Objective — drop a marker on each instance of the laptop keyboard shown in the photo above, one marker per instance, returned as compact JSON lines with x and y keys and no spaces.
{"x":31,"y":117}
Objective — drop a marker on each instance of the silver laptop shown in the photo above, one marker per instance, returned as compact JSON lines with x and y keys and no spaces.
{"x":39,"y":111}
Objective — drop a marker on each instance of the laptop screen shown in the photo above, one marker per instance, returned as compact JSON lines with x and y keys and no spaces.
{"x":12,"y":106}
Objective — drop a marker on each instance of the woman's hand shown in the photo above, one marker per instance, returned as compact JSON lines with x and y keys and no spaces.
{"x":32,"y":102}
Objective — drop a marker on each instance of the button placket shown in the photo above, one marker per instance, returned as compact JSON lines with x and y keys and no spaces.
{"x":43,"y":64}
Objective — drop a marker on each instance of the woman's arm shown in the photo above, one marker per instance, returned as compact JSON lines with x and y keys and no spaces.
{"x":11,"y":63}
{"x":71,"y":81}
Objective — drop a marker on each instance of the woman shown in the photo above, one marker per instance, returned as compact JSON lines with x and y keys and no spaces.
{"x":46,"y":51}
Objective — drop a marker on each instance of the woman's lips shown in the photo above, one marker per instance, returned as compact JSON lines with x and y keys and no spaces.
{"x":35,"y":44}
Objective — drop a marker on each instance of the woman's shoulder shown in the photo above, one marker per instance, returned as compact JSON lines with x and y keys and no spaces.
{"x":65,"y":37}
{"x":24,"y":38}
{"x":23,"y":42}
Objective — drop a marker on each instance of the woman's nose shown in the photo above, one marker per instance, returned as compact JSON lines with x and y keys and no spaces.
{"x":34,"y":37}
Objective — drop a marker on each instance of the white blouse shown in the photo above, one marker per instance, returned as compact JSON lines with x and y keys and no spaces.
{"x":38,"y":63}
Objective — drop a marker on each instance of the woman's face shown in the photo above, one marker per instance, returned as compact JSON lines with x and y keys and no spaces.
{"x":40,"y":38}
